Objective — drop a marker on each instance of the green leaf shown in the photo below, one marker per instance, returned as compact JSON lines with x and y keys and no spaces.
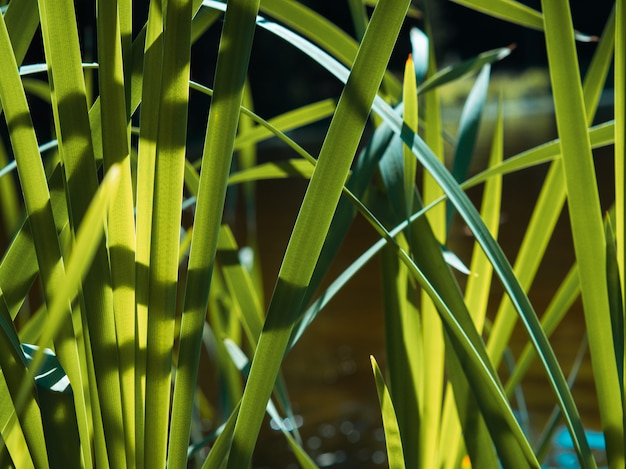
{"x":121,"y":230}
{"x":620,"y":140}
{"x":454,"y":72}
{"x":314,"y":219}
{"x":164,"y":248}
{"x":585,"y":220}
{"x":232,"y":65}
{"x":468,"y":130}
{"x":319,"y":30}
{"x":27,"y":427}
{"x":393,"y":441}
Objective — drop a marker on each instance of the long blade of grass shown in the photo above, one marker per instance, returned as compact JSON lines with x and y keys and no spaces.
{"x":121,"y":225}
{"x":164,"y":249}
{"x":454,"y":72}
{"x":615,"y":296}
{"x":18,"y":268}
{"x":552,"y":196}
{"x":585,"y":219}
{"x":468,"y":130}
{"x":37,"y":201}
{"x":274,"y":170}
{"x":146,"y":162}
{"x":232,"y":64}
{"x":599,"y":135}
{"x":290,"y":120}
{"x":563,"y":299}
{"x":538,"y":234}
{"x":319,"y":30}
{"x":70,"y":108}
{"x":404,"y":346}
{"x":512,"y":445}
{"x":476,"y":297}
{"x":620,"y":140}
{"x":434,"y":343}
{"x":313,"y":221}
{"x":395,"y":453}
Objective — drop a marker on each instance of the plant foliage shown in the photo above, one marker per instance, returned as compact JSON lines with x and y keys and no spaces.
{"x":122,"y":275}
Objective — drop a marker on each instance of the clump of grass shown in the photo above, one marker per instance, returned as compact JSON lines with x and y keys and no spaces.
{"x":103,"y":368}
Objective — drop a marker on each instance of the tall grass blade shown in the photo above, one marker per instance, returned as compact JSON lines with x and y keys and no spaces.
{"x":121,"y":226}
{"x":22,"y":21}
{"x":468,"y":130}
{"x":395,"y":454}
{"x":38,"y":206}
{"x":70,"y":108}
{"x":235,"y":48}
{"x":476,"y":297}
{"x":434,"y":343}
{"x":301,"y":19}
{"x":585,"y":219}
{"x":538,"y":234}
{"x":314,"y":219}
{"x":600,"y":136}
{"x":620,"y":140}
{"x":404,"y":346}
{"x":615,"y":297}
{"x":164,"y":248}
{"x":149,"y":96}
{"x":454,"y":72}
